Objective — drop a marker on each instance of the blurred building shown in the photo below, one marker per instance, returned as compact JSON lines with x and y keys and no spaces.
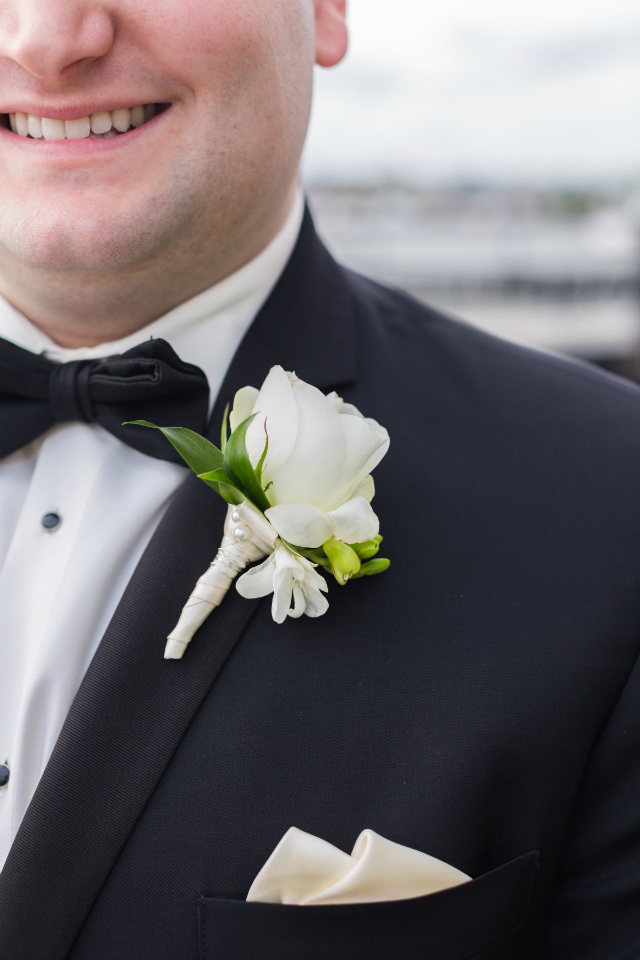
{"x":551,"y":268}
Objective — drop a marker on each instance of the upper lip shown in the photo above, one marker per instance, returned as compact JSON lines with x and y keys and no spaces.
{"x":75,"y":111}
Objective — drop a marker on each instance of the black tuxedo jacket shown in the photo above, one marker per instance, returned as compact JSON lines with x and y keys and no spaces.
{"x":480,"y":701}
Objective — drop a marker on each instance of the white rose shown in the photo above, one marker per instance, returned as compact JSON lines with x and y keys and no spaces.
{"x":321,"y":453}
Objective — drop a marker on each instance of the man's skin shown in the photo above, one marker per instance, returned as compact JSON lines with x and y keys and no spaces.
{"x":100,"y":237}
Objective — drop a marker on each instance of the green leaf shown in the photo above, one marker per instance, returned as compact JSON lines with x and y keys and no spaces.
{"x":239,"y":467}
{"x":201,"y":455}
{"x":222,"y":484}
{"x":260,"y":464}
{"x":372,"y":568}
{"x":227,"y":492}
{"x":224,"y":431}
{"x":219,"y":475}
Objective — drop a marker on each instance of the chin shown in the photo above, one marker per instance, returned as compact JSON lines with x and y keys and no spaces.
{"x":66,"y":239}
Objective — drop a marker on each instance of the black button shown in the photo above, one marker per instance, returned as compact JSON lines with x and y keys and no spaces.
{"x":50,"y":521}
{"x":4,"y":775}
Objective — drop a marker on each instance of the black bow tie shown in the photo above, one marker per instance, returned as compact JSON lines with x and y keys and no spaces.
{"x":149,"y":382}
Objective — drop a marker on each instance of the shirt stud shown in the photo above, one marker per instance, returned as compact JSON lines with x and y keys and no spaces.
{"x":50,"y":521}
{"x":4,"y":775}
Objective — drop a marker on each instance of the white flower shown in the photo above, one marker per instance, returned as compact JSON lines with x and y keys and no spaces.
{"x":290,"y":578}
{"x":321,"y":453}
{"x":306,"y":502}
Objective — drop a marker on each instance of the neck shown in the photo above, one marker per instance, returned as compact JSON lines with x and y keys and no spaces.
{"x":87,"y":308}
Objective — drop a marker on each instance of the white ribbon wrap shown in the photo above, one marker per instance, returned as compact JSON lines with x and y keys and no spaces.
{"x":248,"y":536}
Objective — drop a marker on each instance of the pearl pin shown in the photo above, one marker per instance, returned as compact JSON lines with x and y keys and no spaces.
{"x":235,"y":516}
{"x":242,"y":533}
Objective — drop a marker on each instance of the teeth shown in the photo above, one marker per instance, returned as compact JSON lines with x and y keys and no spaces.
{"x":100,"y":122}
{"x":22,"y":124}
{"x":101,"y":125}
{"x":53,"y":129}
{"x":121,"y":120}
{"x":77,"y":129}
{"x":34,"y":125}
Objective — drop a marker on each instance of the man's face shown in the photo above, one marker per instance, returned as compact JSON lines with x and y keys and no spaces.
{"x":231,"y":81}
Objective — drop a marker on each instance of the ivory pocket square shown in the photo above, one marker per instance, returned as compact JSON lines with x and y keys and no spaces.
{"x":306,"y":870}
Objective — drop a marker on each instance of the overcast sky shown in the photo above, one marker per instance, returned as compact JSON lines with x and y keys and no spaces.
{"x":500,"y":89}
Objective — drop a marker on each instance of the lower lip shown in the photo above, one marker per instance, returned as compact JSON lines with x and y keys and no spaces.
{"x":85,"y":149}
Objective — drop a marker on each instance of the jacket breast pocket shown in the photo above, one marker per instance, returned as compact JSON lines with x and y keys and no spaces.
{"x":480,"y":920}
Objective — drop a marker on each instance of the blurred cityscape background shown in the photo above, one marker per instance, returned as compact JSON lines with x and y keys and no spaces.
{"x":487,"y":158}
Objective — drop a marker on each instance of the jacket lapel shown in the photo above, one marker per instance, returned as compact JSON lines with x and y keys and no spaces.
{"x":308,"y":324}
{"x":133,"y":706}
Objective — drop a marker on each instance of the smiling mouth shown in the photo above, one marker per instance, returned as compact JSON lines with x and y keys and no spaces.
{"x":101,"y":125}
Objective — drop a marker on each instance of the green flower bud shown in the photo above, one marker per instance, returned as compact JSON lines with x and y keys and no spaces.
{"x":373,"y":567}
{"x":366,"y":550}
{"x":345,"y":562}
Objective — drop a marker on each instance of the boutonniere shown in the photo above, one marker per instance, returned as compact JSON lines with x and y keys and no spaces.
{"x":296,"y":473}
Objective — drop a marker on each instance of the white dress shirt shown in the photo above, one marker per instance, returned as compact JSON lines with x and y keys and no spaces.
{"x":59,"y":588}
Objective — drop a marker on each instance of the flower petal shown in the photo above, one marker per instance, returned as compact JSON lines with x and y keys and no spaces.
{"x":275,"y":404}
{"x":366,"y":488}
{"x":282,"y":588}
{"x":335,"y":401}
{"x":299,"y":601}
{"x":377,"y":428}
{"x":342,"y":407}
{"x":285,"y":560}
{"x":300,"y":523}
{"x":348,"y":409}
{"x":316,"y":603}
{"x":258,"y":581}
{"x":311,"y":575}
{"x":354,"y":521}
{"x":365,"y":448}
{"x":317,"y":459}
{"x":243,"y":404}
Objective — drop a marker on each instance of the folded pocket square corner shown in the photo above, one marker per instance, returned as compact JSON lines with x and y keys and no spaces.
{"x":307,"y":871}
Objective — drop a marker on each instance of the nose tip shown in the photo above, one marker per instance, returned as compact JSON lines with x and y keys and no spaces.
{"x":52,"y":37}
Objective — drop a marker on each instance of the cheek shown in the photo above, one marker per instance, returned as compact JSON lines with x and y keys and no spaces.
{"x":244,"y":71}
{"x":213,"y":46}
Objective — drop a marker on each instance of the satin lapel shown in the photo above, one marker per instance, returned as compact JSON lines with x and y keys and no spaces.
{"x":133,"y":706}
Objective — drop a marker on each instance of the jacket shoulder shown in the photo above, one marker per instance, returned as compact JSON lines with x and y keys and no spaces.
{"x":425,"y":352}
